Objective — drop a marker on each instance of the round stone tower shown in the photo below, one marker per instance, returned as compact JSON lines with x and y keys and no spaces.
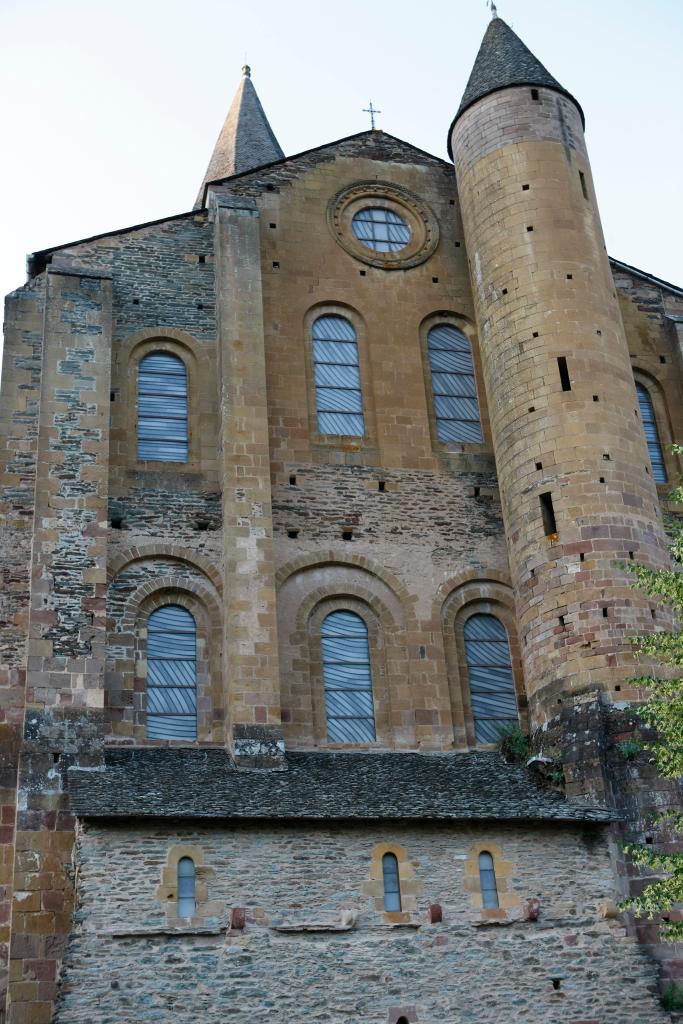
{"x":573,"y":467}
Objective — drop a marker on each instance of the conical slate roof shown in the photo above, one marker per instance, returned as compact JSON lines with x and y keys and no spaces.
{"x":503,"y":61}
{"x":246,"y":140}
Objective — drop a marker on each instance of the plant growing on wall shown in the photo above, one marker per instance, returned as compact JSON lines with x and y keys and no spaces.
{"x":664,"y":712}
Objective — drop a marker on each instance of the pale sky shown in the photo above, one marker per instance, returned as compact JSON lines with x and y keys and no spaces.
{"x":110,"y":108}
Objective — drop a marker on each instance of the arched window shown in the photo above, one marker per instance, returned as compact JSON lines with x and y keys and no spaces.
{"x":162,"y":408}
{"x":338,"y":397}
{"x":186,"y":887}
{"x":489,"y":669}
{"x":392,"y":886}
{"x":347,"y":680}
{"x":654,"y":446}
{"x":171,"y":674}
{"x":453,"y":386}
{"x":487,"y":880}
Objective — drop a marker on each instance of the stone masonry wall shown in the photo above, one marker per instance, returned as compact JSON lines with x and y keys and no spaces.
{"x":573,"y":467}
{"x":131,"y":959}
{"x":18,"y":459}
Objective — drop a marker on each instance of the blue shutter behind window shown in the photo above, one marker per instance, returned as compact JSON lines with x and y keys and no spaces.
{"x":186,"y":887}
{"x":339,"y":401}
{"x":453,"y":386}
{"x":489,"y":668}
{"x":171,"y":674}
{"x":392,"y":885}
{"x":162,"y":408}
{"x":346,"y":676}
{"x":487,"y":880}
{"x":654,"y":446}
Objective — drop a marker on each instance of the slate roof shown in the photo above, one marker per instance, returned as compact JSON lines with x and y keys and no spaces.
{"x":246,"y":140}
{"x":191,"y":783}
{"x":503,"y":60}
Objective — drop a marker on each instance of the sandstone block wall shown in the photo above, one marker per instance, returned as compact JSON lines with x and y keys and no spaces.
{"x":544,"y":291}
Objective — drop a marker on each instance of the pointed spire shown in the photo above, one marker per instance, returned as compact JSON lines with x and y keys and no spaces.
{"x":246,"y":140}
{"x":503,"y":60}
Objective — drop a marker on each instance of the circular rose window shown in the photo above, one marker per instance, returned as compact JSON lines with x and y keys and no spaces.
{"x":383,"y":225}
{"x":381,"y":229}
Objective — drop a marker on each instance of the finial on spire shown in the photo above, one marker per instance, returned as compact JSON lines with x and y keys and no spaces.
{"x":246,"y":71}
{"x":494,"y":9}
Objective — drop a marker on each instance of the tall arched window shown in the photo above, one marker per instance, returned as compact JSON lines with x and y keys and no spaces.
{"x":392,"y":885}
{"x":489,"y":669}
{"x":338,"y":397}
{"x":162,"y":408}
{"x":453,"y":386}
{"x":654,"y":445}
{"x":171,"y":674}
{"x":186,"y":887}
{"x":347,"y":680}
{"x":487,"y":880}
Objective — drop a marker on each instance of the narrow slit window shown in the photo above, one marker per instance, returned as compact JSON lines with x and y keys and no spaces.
{"x":548,"y":513}
{"x":162,"y":432}
{"x":487,"y":881}
{"x":347,"y":679}
{"x":584,"y":187}
{"x":454,"y":388}
{"x":171,"y":674}
{"x":339,"y":400}
{"x":489,"y":671}
{"x":564,"y":373}
{"x":654,"y":445}
{"x":187,"y":903}
{"x":392,"y":885}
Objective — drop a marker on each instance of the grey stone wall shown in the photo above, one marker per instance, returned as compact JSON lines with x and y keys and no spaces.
{"x":157,"y":275}
{"x":127,"y":963}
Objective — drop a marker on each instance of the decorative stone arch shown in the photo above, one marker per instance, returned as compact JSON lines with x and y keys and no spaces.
{"x":126,"y":684}
{"x":332,"y":557}
{"x":410,"y":886}
{"x":202,"y":400}
{"x":657,"y":394}
{"x":477,"y":595}
{"x":171,"y":551}
{"x":468,"y":328}
{"x":350,"y":313}
{"x":504,"y":871}
{"x":310,"y":592}
{"x":456,"y":583}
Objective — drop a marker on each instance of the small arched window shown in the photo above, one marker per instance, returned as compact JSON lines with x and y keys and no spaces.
{"x":654,"y":445}
{"x":454,"y":390}
{"x":171,"y":674}
{"x":489,"y":670}
{"x":338,"y":397}
{"x":162,"y":408}
{"x":487,"y":881}
{"x":186,"y":887}
{"x":392,"y":885}
{"x":347,"y":679}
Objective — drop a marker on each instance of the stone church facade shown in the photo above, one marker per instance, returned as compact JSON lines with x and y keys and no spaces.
{"x":306,"y":494}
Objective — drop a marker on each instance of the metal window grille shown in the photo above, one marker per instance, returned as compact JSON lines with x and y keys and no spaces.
{"x":186,"y":887}
{"x":162,"y":408}
{"x":487,"y":880}
{"x":381,"y":229}
{"x":171,"y":674}
{"x":346,"y":676}
{"x":337,"y":377}
{"x":489,"y":668}
{"x":654,"y":445}
{"x":392,"y":885}
{"x":453,"y":386}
